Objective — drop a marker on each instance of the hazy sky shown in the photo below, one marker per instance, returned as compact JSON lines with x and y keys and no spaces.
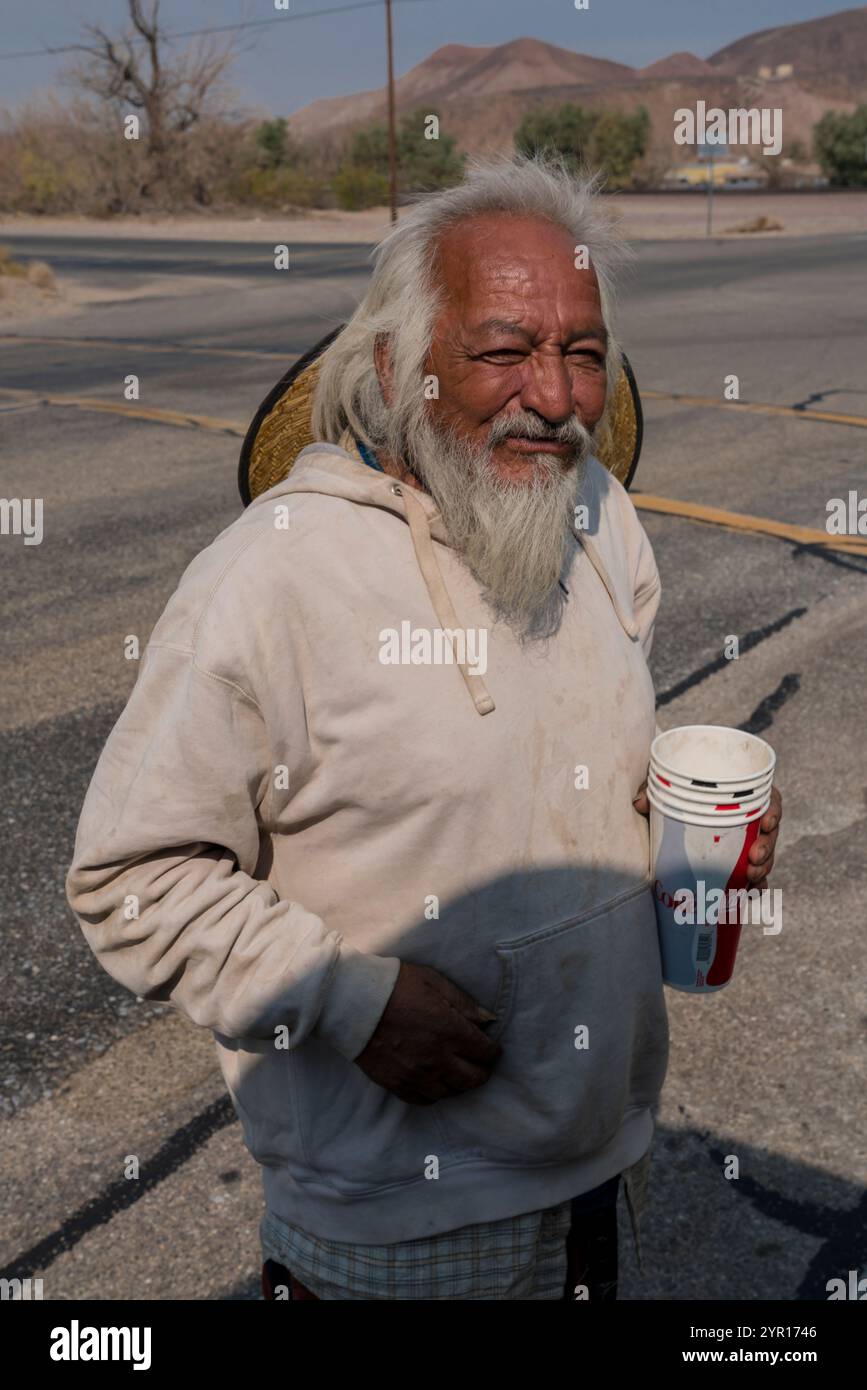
{"x":292,"y":61}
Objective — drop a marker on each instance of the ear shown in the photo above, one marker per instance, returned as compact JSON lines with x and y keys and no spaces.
{"x":382,"y":362}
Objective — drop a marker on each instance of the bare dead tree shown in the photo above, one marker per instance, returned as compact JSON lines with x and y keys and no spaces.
{"x":137,"y":72}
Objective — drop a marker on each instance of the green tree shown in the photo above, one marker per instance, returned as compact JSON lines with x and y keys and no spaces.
{"x":609,"y":140}
{"x":840,"y":144}
{"x":362,"y":178}
{"x":426,"y":160}
{"x":275,"y":148}
{"x":618,"y":142}
{"x":426,"y":157}
{"x":271,"y":139}
{"x":566,"y":130}
{"x":368,"y":149}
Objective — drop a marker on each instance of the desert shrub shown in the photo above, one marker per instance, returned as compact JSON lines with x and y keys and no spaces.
{"x":40,"y":274}
{"x":840,"y":143}
{"x":280,"y":188}
{"x":357,"y":186}
{"x":10,"y":267}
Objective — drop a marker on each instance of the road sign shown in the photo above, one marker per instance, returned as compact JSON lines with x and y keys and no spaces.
{"x":713,"y":149}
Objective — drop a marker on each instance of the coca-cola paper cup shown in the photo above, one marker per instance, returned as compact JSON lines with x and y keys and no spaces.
{"x":701,"y":830}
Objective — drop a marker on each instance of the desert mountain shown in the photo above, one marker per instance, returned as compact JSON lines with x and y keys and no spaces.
{"x":456,"y":71}
{"x":835,"y":43}
{"x":678,"y":65}
{"x":482,"y":93}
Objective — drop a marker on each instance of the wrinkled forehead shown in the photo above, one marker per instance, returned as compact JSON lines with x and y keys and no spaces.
{"x":523,"y":264}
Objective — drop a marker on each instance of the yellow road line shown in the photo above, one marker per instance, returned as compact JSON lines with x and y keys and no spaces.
{"x":22,"y":339}
{"x":738,"y":521}
{"x":180,"y":418}
{"x":757,"y":408}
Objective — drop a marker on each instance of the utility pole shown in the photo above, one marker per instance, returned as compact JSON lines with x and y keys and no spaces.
{"x":710,"y":176}
{"x":392,"y":137}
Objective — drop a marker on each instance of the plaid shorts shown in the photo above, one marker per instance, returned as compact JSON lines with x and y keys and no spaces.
{"x":522,"y":1257}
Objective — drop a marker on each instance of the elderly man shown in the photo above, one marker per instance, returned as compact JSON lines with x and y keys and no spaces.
{"x":339,"y":821}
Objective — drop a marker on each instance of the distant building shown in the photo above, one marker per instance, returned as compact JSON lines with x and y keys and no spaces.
{"x":727,"y":173}
{"x":734,"y":173}
{"x":781,"y":70}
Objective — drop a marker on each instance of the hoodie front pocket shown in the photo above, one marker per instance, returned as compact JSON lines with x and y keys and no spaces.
{"x":584,"y":1034}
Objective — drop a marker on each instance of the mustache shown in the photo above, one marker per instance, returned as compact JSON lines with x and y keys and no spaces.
{"x":525,"y":425}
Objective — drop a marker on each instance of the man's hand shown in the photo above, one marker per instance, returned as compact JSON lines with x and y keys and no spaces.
{"x":762,"y":848}
{"x":429,"y":1042}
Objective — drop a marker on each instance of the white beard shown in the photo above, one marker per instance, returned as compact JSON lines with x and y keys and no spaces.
{"x":514,"y":537}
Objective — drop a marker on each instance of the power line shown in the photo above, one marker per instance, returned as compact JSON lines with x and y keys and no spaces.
{"x":283,"y":18}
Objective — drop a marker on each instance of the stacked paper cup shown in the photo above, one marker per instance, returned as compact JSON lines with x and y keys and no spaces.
{"x":708,"y":789}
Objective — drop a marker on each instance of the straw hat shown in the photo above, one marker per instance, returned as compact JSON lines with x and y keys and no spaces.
{"x":281,"y":427}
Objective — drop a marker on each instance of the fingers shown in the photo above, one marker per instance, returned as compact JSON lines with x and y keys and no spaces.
{"x":430,"y":1042}
{"x":464,"y":1003}
{"x":772,"y":817}
{"x":640,"y":800}
{"x":466,"y":1020}
{"x":757,"y":874}
{"x":761,"y":854}
{"x":761,"y":857}
{"x":766,"y":839}
{"x":454,"y":1077}
{"x":462,"y":1075}
{"x":471,"y":1043}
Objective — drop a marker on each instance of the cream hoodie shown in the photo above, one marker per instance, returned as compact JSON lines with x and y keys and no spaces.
{"x":281,"y":815}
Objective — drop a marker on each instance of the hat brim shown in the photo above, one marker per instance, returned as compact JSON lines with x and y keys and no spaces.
{"x":281,"y":426}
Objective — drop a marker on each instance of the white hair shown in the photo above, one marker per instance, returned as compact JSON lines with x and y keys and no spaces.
{"x":404,"y":299}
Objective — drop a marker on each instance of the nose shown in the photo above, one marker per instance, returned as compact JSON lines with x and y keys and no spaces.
{"x":547,"y":388}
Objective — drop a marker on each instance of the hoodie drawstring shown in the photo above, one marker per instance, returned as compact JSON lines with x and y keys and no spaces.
{"x":439,"y":595}
{"x":628,"y":623}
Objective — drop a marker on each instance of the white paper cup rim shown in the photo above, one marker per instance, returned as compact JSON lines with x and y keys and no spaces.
{"x":737,"y":778}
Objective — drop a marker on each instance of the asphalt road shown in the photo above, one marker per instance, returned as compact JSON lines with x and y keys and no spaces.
{"x":771,"y":1069}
